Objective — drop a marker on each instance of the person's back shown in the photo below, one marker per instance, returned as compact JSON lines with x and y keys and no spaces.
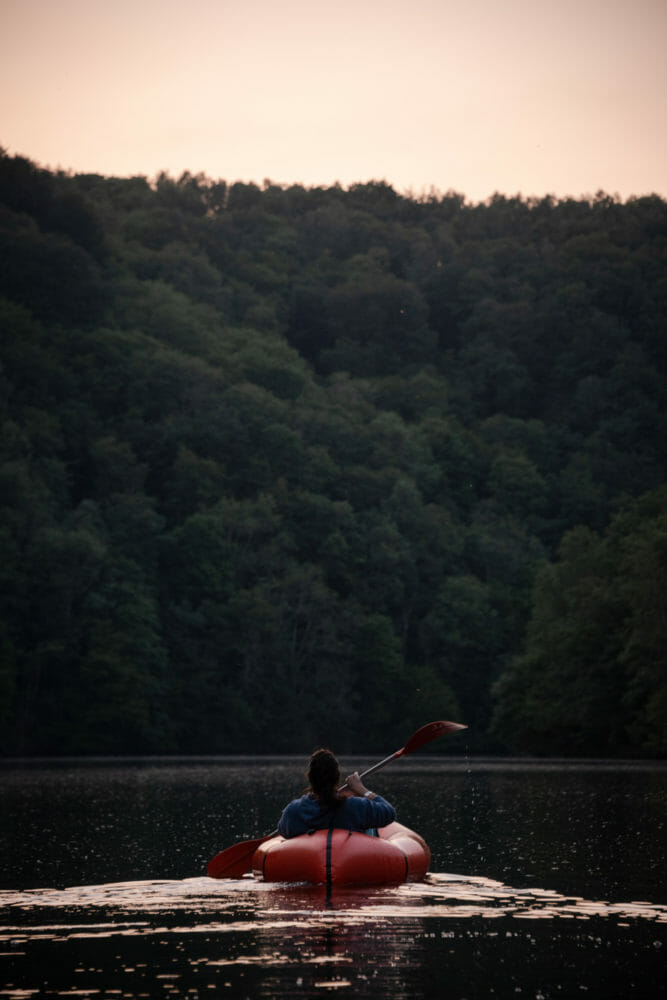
{"x":323,"y":806}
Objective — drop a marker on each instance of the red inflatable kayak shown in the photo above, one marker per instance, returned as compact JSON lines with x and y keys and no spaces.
{"x":344,"y":858}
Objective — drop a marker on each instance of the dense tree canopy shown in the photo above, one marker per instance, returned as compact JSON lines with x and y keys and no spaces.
{"x":284,"y":465}
{"x":592,"y":679}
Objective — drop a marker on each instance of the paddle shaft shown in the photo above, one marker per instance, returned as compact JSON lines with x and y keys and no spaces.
{"x":376,"y":767}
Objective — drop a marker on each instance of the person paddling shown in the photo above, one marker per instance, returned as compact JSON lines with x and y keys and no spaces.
{"x":323,"y":806}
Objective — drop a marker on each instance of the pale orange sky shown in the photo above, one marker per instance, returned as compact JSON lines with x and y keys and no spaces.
{"x":478,"y":96}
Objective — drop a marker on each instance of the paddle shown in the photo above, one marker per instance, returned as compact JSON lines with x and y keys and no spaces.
{"x":234,"y":861}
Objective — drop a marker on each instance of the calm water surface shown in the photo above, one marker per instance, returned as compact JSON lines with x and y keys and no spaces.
{"x":548,"y":879}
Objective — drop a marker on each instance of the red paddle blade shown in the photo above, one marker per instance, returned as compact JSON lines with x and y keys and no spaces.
{"x":429,"y":732}
{"x":234,"y":861}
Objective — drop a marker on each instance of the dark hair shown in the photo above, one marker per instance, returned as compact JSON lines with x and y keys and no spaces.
{"x":324,"y":774}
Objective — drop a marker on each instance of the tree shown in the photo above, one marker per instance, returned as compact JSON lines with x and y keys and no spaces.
{"x":377,"y":325}
{"x":591,"y":678}
{"x":461,"y":638}
{"x":255,"y":438}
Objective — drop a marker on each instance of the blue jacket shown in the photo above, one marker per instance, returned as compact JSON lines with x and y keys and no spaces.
{"x":354,"y":813}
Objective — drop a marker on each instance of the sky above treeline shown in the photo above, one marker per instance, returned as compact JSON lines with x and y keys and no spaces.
{"x":527,"y":97}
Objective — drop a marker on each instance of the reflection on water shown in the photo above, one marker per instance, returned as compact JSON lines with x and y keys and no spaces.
{"x":438,"y":896}
{"x":559,"y":889}
{"x":260,"y":939}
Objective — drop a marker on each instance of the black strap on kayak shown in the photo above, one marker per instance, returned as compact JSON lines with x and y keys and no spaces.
{"x":328,"y":858}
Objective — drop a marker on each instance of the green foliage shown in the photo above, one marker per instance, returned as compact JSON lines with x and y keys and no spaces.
{"x":592,"y":678}
{"x":375,"y":324}
{"x":288,"y":466}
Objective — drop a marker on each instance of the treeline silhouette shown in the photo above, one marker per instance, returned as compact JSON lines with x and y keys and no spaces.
{"x":284,"y":466}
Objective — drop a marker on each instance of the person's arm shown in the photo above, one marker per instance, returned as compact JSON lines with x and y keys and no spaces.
{"x":299,"y":816}
{"x":376,"y":810}
{"x":355,"y":786}
{"x":291,"y":822}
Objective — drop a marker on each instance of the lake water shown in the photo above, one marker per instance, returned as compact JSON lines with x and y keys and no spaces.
{"x":548,"y":879}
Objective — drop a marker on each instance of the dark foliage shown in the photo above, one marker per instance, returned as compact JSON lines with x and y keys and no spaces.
{"x":286,"y":466}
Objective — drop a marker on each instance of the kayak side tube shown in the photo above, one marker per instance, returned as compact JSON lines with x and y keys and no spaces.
{"x":342,"y":857}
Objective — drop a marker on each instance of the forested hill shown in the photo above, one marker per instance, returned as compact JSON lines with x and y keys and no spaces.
{"x":287,"y":466}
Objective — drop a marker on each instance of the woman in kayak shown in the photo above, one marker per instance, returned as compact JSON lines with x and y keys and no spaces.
{"x":323,"y":806}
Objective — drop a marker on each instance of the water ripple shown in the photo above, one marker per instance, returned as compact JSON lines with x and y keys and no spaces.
{"x":245,"y":905}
